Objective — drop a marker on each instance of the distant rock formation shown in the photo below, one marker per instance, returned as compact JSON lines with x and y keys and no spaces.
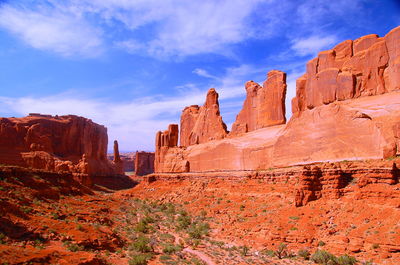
{"x":264,"y":106}
{"x":119,"y":164}
{"x":202,"y":124}
{"x":346,"y":108}
{"x":55,"y":143}
{"x":144,"y":163}
{"x":367,"y":66}
{"x":169,"y":157}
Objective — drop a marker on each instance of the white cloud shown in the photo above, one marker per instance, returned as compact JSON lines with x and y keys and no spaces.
{"x":131,"y":46}
{"x":52,"y":30}
{"x":313,"y":44}
{"x":203,"y":73}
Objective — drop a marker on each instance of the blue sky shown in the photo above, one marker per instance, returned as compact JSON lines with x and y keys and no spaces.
{"x":133,"y":65}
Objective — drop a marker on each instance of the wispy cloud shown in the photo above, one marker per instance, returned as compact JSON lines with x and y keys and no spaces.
{"x":164,"y":29}
{"x":52,"y":30}
{"x":313,"y":44}
{"x":203,"y":73}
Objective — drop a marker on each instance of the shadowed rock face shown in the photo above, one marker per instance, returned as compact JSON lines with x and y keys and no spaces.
{"x":346,"y":108}
{"x":367,"y":66}
{"x":264,"y":106}
{"x":144,"y":163}
{"x":58,"y":144}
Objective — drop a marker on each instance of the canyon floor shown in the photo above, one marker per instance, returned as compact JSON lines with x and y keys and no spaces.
{"x":49,"y":218}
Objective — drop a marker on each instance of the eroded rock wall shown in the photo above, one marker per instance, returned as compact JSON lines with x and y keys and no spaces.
{"x":55,"y":143}
{"x":367,"y":66}
{"x":264,"y":105}
{"x":144,"y":163}
{"x":202,"y":124}
{"x":346,"y":108}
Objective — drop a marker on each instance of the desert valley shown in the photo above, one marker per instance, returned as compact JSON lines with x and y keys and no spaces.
{"x":320,"y":188}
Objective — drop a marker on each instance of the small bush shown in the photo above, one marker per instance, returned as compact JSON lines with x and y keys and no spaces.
{"x":197,"y":231}
{"x":304,"y":253}
{"x":141,"y":244}
{"x":375,"y":246}
{"x":142,"y":227}
{"x":2,"y":237}
{"x":183,"y":222}
{"x":244,"y":250}
{"x":323,"y":257}
{"x":321,"y":243}
{"x":346,"y":260}
{"x":138,"y":260}
{"x":170,"y":248}
{"x":281,"y":252}
{"x":72,"y":247}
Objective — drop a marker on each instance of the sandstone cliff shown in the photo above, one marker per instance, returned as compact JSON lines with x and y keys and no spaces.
{"x":346,"y":108}
{"x":264,"y":106}
{"x":144,"y":163}
{"x":55,"y":143}
{"x":202,"y":124}
{"x":367,"y":66}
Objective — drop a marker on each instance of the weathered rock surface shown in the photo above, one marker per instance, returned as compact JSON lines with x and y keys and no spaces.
{"x":57,"y":144}
{"x":264,"y":106}
{"x":169,"y":157}
{"x":202,"y":124}
{"x":144,"y":163}
{"x":367,"y":66}
{"x":346,"y":108}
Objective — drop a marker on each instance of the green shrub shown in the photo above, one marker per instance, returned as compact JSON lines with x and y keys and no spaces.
{"x":244,"y":250}
{"x":323,"y":257}
{"x":171,"y":248}
{"x":346,"y":260}
{"x":321,"y":243}
{"x":142,"y":227}
{"x":72,"y":247}
{"x":183,"y":222}
{"x":281,"y":252}
{"x":198,"y":230}
{"x":304,"y":253}
{"x":2,"y":237}
{"x":138,"y":260}
{"x":141,"y":244}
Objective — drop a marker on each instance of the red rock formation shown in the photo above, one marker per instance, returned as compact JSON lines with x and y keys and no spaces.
{"x":365,"y":67}
{"x":119,"y":165}
{"x":144,"y":163}
{"x":189,"y":118}
{"x":200,"y":125}
{"x":346,"y":108}
{"x":169,"y":157}
{"x":264,"y":106}
{"x":117,"y":158}
{"x":58,"y":144}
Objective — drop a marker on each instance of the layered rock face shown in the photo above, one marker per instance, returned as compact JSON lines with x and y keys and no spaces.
{"x":346,"y":108}
{"x":144,"y":163}
{"x":169,"y":157}
{"x":264,"y":106}
{"x":367,"y":66}
{"x":57,"y":144}
{"x":202,"y":124}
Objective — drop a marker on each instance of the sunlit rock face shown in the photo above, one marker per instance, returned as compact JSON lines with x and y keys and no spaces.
{"x":55,"y":143}
{"x":346,"y":108}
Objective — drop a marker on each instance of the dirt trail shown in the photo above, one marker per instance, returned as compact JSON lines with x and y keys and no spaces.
{"x":201,"y":255}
